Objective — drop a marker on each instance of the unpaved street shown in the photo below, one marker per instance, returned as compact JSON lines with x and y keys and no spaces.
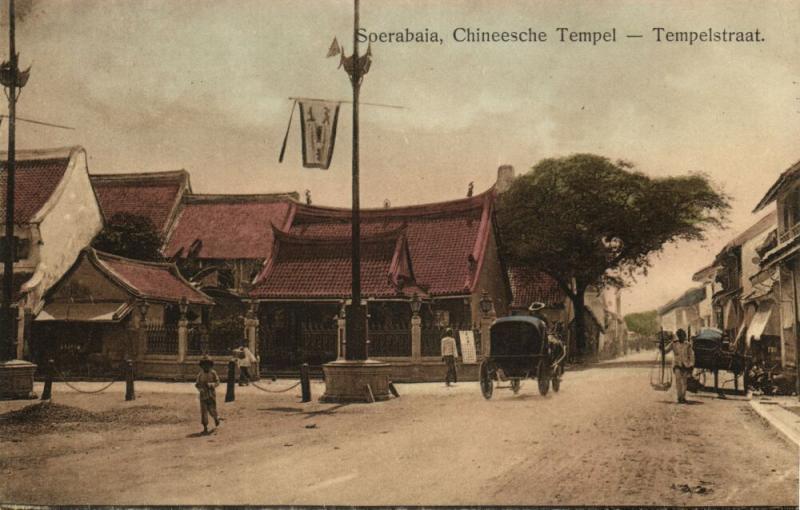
{"x":606,"y":438}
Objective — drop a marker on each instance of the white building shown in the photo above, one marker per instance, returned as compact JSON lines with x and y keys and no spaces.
{"x":56,"y":216}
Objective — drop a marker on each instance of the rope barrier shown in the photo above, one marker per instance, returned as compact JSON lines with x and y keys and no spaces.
{"x":64,"y":380}
{"x":275,"y":391}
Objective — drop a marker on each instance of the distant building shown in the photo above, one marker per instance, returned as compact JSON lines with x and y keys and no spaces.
{"x":529,"y":286}
{"x":780,"y":262}
{"x":708,"y":277}
{"x":56,"y":215}
{"x":683,"y":312}
{"x":152,"y":195}
{"x":735,"y":264}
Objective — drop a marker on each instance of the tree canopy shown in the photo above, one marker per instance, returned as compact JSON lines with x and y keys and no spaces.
{"x":597,"y":221}
{"x":588,"y":221}
{"x":643,"y":323}
{"x":129,"y":235}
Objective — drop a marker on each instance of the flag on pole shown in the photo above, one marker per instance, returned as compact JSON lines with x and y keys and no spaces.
{"x":318,"y":128}
{"x":334,"y":49}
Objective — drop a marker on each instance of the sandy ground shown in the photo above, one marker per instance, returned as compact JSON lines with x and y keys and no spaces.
{"x":606,"y":439}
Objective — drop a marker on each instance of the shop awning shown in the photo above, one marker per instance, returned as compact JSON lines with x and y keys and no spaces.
{"x":759,"y":322}
{"x":84,"y":312}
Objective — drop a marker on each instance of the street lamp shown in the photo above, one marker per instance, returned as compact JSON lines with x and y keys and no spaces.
{"x":485,"y":303}
{"x":416,"y":304}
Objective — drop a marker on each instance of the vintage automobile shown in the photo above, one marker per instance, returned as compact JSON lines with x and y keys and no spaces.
{"x":520,"y":349}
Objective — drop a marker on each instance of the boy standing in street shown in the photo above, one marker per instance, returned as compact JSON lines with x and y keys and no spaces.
{"x":449,"y":354}
{"x":207,"y":382}
{"x":682,"y":363}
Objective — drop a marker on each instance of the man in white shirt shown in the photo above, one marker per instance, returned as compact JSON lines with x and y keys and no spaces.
{"x":449,"y":355}
{"x":245,"y":359}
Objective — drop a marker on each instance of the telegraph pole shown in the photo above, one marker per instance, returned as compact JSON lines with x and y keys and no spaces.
{"x":356,"y":321}
{"x":10,"y":81}
{"x":356,"y":378}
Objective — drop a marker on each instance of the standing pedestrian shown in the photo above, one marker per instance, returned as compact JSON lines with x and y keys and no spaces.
{"x":449,"y":355}
{"x":207,"y":382}
{"x":682,"y":363}
{"x":245,"y":359}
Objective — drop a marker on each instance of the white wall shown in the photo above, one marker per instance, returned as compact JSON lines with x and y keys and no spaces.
{"x":68,"y":223}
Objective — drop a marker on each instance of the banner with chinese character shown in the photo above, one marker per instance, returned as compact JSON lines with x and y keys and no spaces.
{"x":318,"y":129}
{"x":468,"y":354}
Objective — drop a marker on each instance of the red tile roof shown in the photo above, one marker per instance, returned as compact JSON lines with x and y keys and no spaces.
{"x":447,"y":240}
{"x":36,"y":178}
{"x":304,"y":267}
{"x":229,"y":226}
{"x":147,"y":280}
{"x":154,"y":195}
{"x":528,"y":286}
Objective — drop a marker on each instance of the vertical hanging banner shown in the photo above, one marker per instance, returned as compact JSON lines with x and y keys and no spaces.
{"x":318,"y":129}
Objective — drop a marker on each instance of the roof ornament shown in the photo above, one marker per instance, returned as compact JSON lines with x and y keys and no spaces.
{"x":308,"y":197}
{"x":470,"y":188}
{"x":386,"y":203}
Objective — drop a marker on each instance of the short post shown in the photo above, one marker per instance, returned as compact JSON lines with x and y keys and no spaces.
{"x":129,"y":390}
{"x":305,"y":383}
{"x":230,"y":392}
{"x":48,"y":380}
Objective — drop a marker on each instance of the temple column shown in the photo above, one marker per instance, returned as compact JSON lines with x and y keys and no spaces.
{"x":416,"y":337}
{"x":183,"y":339}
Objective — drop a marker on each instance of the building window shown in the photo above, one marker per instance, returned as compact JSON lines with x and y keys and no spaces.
{"x":22,"y":248}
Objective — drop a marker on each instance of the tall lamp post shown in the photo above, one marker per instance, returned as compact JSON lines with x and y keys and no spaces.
{"x":356,"y":378}
{"x":16,"y":376}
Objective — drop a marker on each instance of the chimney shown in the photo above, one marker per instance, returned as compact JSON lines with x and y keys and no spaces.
{"x":505,"y":174}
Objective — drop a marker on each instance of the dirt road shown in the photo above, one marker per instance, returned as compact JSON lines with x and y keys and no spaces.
{"x":606,"y":438}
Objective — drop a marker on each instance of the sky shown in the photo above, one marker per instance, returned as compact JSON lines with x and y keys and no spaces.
{"x":156,"y":85}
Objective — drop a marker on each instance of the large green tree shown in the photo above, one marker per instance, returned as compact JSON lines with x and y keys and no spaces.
{"x":643,"y":323}
{"x":130,"y":235}
{"x":586,"y":220}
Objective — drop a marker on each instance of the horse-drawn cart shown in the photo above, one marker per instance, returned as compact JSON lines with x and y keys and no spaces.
{"x":520,"y":350}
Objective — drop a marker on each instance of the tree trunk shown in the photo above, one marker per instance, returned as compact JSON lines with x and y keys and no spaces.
{"x":580,"y":320}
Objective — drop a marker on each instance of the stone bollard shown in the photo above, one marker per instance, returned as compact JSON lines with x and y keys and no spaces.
{"x":230,"y":393}
{"x":48,"y":380}
{"x":305,"y":383}
{"x":129,"y":390}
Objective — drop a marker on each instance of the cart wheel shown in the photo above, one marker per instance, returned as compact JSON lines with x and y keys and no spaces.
{"x":557,"y":379}
{"x":515,"y":385}
{"x":543,"y":378}
{"x":487,"y":385}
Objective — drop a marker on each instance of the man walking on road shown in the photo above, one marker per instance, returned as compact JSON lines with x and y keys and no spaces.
{"x":245,"y":359}
{"x":449,"y":354}
{"x":682,"y":363}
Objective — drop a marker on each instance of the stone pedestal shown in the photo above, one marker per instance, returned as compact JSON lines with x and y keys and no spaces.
{"x":347,"y":381}
{"x":16,"y":379}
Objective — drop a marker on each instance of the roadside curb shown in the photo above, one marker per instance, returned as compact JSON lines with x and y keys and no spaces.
{"x":785,"y":421}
